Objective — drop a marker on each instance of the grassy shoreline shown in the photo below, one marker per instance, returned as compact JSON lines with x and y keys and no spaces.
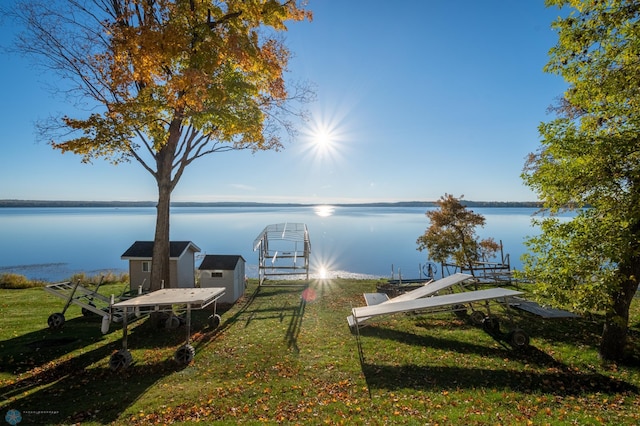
{"x":278,"y":358}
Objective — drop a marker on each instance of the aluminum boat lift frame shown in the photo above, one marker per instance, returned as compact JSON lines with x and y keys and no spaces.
{"x":415,"y":301}
{"x":429,"y":289}
{"x":90,"y":301}
{"x":283,"y":250}
{"x":485,"y":271}
{"x":167,"y":301}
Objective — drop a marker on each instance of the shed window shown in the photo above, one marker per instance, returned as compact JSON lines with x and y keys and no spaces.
{"x":146,"y":266}
{"x":216,"y":274}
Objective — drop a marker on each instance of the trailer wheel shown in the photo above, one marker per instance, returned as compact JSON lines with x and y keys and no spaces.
{"x":160,"y":319}
{"x":214,"y":321}
{"x":491,"y":325}
{"x":55,"y":321}
{"x":518,"y":338}
{"x":120,"y":360}
{"x":460,"y":311}
{"x":86,"y":312}
{"x":477,"y":317}
{"x":172,"y":322}
{"x":185,"y":354}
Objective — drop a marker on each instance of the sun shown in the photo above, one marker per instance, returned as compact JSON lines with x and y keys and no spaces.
{"x":323,"y":274}
{"x":324,"y":137}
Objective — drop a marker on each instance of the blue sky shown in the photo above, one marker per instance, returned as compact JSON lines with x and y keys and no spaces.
{"x":418,"y":98}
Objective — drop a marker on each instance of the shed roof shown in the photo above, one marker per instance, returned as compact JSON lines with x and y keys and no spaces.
{"x":225,"y":262}
{"x":144,"y":249}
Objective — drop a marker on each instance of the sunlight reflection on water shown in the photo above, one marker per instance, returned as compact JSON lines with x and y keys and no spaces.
{"x":324,"y":210}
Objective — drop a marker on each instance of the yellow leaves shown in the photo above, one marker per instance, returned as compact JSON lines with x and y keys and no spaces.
{"x":210,"y":65}
{"x":146,"y":54}
{"x":275,"y":14}
{"x":97,"y":135}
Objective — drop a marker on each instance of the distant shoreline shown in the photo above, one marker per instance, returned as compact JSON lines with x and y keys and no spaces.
{"x":54,"y":204}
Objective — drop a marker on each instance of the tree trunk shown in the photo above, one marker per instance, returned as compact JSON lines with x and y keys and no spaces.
{"x":614,"y":334}
{"x":160,"y":269}
{"x":160,"y":263}
{"x":160,"y":273}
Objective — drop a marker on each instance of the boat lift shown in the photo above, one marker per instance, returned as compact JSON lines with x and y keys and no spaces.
{"x":427,"y":299}
{"x":90,"y":301}
{"x":428,"y":289}
{"x":283,"y":250}
{"x":167,"y":301}
{"x":485,"y":271}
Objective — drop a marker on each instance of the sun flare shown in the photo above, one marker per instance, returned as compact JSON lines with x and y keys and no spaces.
{"x":325,"y":137}
{"x":325,"y":266}
{"x":323,"y":274}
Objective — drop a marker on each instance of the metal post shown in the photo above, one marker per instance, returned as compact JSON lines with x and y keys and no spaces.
{"x":124,"y":328}
{"x":75,"y":287}
{"x":188,"y":323}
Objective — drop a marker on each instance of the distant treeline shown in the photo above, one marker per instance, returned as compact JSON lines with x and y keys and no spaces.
{"x":45,"y":203}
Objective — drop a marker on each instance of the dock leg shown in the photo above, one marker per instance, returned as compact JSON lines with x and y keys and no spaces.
{"x":124,"y":328}
{"x":188,"y":325}
{"x":358,"y":342}
{"x":185,"y":353}
{"x":122,"y":359}
{"x":214,"y":318}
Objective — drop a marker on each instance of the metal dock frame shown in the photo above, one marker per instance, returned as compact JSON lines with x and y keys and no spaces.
{"x":283,"y":250}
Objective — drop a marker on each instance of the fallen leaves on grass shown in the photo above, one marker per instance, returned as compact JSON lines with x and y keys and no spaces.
{"x":269,"y":406}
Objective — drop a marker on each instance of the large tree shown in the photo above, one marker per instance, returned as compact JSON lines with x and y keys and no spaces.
{"x":451,"y":235}
{"x":165,"y":82}
{"x":589,"y":161}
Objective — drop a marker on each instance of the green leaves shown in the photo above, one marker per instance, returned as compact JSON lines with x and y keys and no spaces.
{"x":571,"y":262}
{"x":589,"y":158}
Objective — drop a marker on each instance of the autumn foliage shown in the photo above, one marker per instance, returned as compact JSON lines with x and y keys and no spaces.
{"x":451,"y":235}
{"x":166,"y":82}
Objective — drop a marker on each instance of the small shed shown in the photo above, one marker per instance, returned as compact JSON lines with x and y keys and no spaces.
{"x":224,"y":270}
{"x":181,"y":264}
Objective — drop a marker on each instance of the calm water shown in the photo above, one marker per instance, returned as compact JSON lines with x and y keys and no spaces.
{"x":54,"y":243}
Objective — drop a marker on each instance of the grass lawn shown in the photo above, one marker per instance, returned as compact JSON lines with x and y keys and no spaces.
{"x":277,"y":358}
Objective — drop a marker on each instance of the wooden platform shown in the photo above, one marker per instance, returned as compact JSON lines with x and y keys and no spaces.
{"x":196,"y":298}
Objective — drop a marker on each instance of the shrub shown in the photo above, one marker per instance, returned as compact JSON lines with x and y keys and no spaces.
{"x":81,"y":276}
{"x":107,"y":278}
{"x":113,"y":277}
{"x":17,"y":281}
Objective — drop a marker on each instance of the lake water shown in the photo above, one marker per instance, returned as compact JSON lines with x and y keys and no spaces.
{"x":54,"y":243}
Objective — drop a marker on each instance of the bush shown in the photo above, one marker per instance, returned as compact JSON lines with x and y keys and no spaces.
{"x":17,"y":281}
{"x":82,"y":277}
{"x":113,"y":277}
{"x":109,"y":278}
